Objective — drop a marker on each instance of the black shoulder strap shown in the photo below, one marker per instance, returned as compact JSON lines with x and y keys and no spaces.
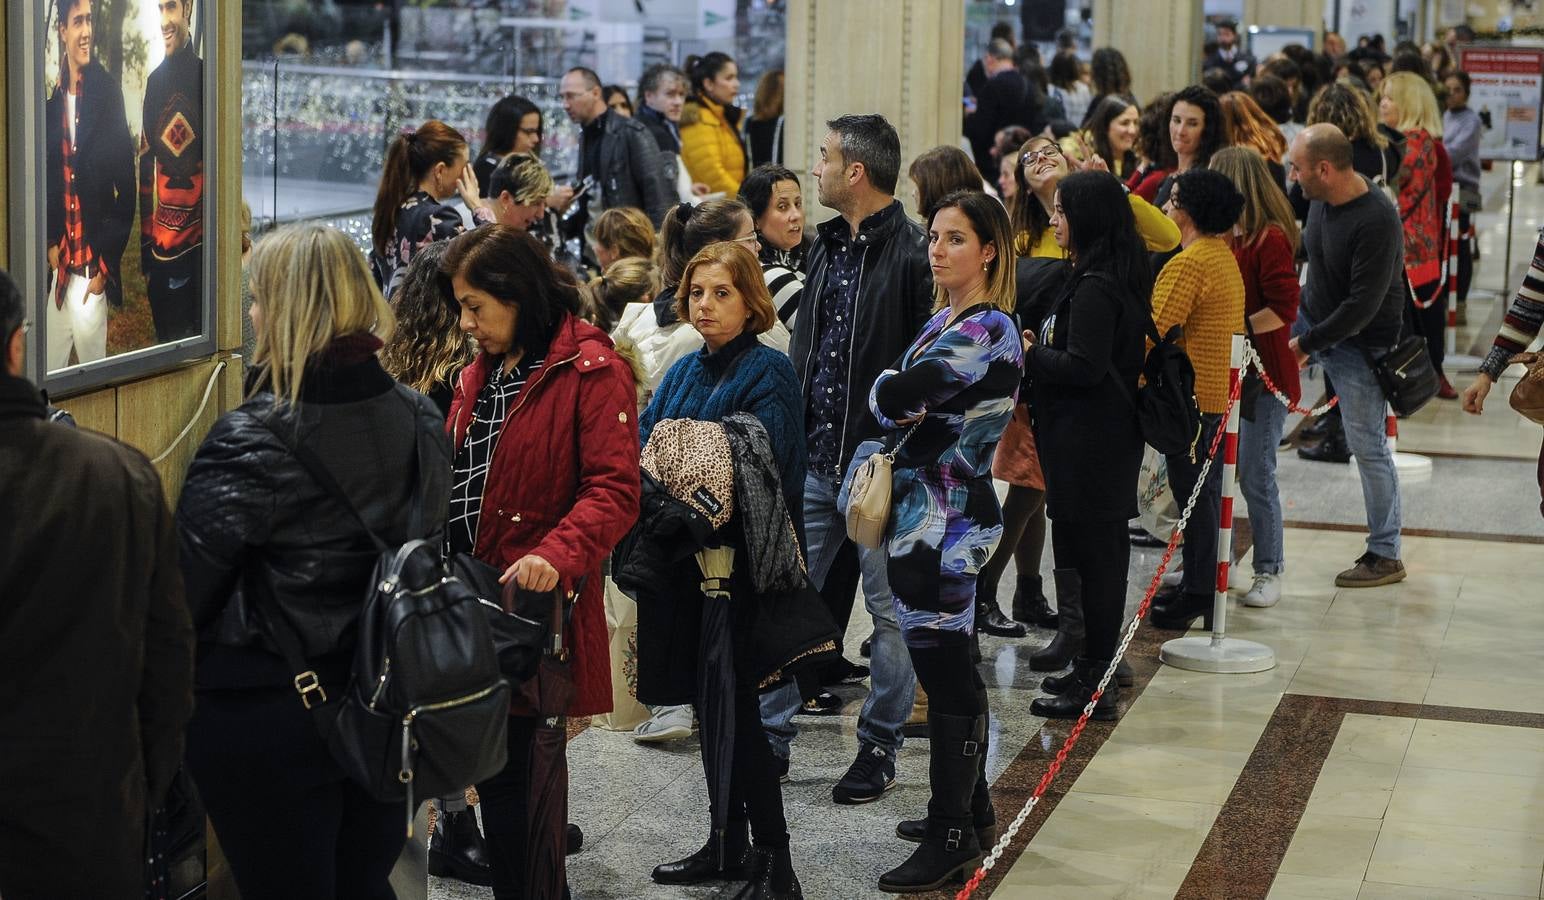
{"x":1148,"y":326}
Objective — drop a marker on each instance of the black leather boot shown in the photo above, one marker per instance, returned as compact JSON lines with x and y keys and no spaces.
{"x":990,"y":620}
{"x":1068,"y":642}
{"x":709,"y":864}
{"x":574,"y":838}
{"x":1070,"y":705}
{"x":1178,"y":615}
{"x":770,"y":875}
{"x":1030,"y":605}
{"x":982,"y":815}
{"x":1333,"y":448}
{"x":456,"y":849}
{"x":950,"y":851}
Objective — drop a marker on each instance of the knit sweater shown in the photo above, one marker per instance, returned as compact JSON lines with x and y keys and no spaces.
{"x":743,"y":376}
{"x":1201,"y":289}
{"x":1523,"y":319}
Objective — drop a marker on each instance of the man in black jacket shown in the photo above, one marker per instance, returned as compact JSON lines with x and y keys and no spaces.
{"x":869,"y":291}
{"x":90,"y":194}
{"x":618,"y":152}
{"x":1228,"y":56}
{"x":96,"y":679}
{"x":1005,"y":99}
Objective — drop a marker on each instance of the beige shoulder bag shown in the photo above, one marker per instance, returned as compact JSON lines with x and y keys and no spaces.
{"x":868,"y":499}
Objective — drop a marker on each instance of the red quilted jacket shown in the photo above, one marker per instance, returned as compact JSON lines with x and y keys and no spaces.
{"x":564,"y":481}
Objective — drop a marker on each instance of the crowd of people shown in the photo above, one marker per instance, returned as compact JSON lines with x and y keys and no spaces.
{"x":710,"y":374}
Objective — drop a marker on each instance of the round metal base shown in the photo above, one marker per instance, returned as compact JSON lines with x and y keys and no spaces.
{"x":1225,"y":656}
{"x":1411,"y":467}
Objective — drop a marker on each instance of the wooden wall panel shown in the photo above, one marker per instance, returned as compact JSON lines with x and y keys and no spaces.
{"x":1287,"y":14}
{"x":97,"y":410}
{"x":153,"y":411}
{"x":1161,"y":41}
{"x":900,"y":58}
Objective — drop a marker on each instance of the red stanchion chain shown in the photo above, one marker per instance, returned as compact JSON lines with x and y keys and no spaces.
{"x":1120,"y":651}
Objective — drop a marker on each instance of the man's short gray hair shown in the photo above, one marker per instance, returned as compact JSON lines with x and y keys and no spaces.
{"x":871,"y":140}
{"x":999,"y":49}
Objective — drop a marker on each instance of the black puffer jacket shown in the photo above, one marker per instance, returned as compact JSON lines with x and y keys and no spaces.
{"x":249,"y":511}
{"x":895,"y":299}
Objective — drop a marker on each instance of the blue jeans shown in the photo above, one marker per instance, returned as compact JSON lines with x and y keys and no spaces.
{"x":892,"y":684}
{"x":1363,"y":410}
{"x":1257,"y":443}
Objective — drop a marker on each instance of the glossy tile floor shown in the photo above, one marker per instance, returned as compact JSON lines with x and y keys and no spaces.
{"x":1396,"y":750}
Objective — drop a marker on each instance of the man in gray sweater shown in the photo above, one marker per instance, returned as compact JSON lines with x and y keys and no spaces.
{"x":1353,"y":306}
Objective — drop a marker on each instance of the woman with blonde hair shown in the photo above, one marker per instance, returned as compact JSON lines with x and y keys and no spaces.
{"x":262,"y":541}
{"x":622,"y":232}
{"x":1407,"y":104}
{"x":627,"y":285}
{"x":1264,"y":243}
{"x":945,"y":405}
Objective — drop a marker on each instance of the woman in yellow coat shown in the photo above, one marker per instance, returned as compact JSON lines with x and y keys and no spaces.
{"x":710,"y":124}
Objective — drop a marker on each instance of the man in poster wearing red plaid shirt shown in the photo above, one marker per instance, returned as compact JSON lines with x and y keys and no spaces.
{"x":90,"y":193}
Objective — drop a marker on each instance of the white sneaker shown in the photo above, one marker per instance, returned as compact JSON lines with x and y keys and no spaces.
{"x":668,"y":723}
{"x":1265,"y":592}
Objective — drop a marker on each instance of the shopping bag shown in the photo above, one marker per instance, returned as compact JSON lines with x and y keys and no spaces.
{"x":622,"y":632}
{"x":1157,"y":512}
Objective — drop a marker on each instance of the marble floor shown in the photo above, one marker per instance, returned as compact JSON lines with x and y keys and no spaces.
{"x":1395,"y":750}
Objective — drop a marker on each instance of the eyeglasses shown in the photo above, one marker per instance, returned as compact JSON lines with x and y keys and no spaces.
{"x":1030,"y":157}
{"x":567,"y":96}
{"x":751,"y":238}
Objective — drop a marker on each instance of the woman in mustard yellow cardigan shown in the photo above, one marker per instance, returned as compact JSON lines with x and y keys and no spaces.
{"x":710,"y":124}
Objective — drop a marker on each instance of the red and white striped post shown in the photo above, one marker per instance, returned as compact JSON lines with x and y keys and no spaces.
{"x":1217,"y":652}
{"x":1229,"y":453}
{"x":1450,"y":333}
{"x":1390,"y":428}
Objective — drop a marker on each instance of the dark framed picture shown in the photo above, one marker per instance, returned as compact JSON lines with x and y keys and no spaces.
{"x":109,"y":100}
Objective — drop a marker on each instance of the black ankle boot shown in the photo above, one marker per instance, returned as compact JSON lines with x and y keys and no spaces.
{"x":708,"y":864}
{"x":1068,"y":642}
{"x":950,"y":851}
{"x":1186,"y":608}
{"x":1070,"y":704}
{"x":770,"y":875}
{"x":1030,"y":605}
{"x":990,"y":620}
{"x":456,"y":849}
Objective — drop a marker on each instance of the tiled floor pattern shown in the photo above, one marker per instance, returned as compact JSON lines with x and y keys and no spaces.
{"x":1404,"y":807}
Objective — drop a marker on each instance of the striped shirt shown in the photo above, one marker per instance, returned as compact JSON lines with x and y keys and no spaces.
{"x":787,"y":289}
{"x":1523,"y":320}
{"x":469,"y":476}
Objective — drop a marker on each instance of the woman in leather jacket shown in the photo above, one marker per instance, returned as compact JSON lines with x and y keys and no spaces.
{"x":545,"y":426}
{"x":259,"y":537}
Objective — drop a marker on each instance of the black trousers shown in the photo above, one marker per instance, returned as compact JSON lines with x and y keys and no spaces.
{"x":292,"y":825}
{"x":1465,"y":258}
{"x":1201,"y":533}
{"x":175,"y":290}
{"x":1023,"y":540}
{"x":754,"y":790}
{"x":954,"y":686}
{"x":1100,"y":552}
{"x":1431,"y":322}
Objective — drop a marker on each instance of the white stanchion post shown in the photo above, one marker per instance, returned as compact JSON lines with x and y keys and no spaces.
{"x":1218,"y":652}
{"x":1411,"y":467}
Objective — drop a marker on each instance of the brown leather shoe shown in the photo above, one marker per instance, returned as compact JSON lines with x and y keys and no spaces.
{"x":1371,"y":570}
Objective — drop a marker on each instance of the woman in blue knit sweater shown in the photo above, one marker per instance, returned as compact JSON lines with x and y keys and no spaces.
{"x":724,"y":297}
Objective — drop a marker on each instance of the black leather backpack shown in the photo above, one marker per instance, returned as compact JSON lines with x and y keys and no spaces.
{"x":426,"y":709}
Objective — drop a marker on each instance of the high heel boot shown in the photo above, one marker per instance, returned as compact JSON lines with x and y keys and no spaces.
{"x":1068,"y":642}
{"x":1069,"y":705}
{"x":990,"y":618}
{"x":982,"y":815}
{"x":950,"y":851}
{"x":1030,"y":605}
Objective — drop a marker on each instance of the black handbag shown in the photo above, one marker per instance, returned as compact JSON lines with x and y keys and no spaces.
{"x":519,"y":636}
{"x":1405,"y":373}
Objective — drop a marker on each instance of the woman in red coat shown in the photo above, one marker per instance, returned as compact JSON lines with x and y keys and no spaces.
{"x":545,"y":483}
{"x":1264,"y":242}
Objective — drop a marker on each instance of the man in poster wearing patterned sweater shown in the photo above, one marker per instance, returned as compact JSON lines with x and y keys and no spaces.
{"x":171,"y":180}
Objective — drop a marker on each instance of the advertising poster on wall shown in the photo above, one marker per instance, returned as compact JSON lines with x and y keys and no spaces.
{"x":1507,"y":90}
{"x":122,"y":183}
